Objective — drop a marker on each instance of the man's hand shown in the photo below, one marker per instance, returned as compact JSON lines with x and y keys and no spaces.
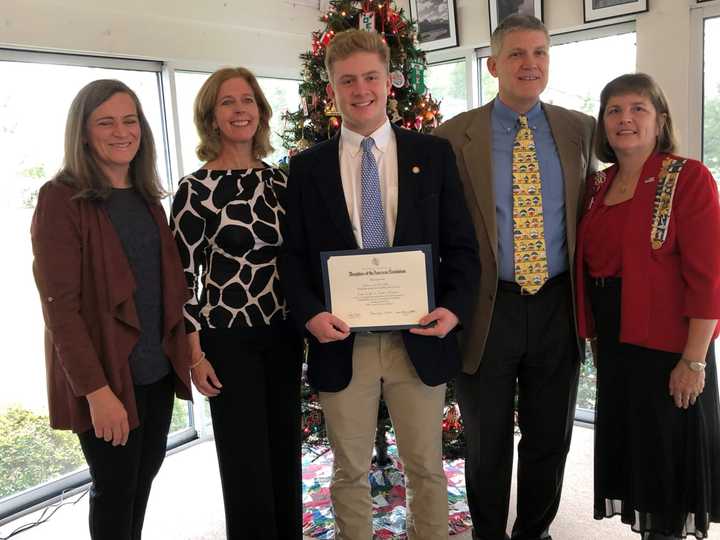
{"x":326,"y":327}
{"x":445,"y":320}
{"x":109,"y":417}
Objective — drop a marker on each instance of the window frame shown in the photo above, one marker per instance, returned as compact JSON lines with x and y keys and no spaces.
{"x":699,"y":13}
{"x":469,"y":72}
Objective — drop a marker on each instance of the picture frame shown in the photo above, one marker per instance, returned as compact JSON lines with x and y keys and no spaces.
{"x":436,"y":23}
{"x":499,"y":9}
{"x":598,"y":10}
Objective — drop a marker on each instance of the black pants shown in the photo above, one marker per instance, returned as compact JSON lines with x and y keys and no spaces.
{"x":531,"y":347}
{"x":256,"y":420}
{"x":122,"y":475}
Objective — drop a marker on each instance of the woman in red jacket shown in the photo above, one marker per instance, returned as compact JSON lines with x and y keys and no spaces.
{"x":649,"y":291}
{"x":112,"y":292}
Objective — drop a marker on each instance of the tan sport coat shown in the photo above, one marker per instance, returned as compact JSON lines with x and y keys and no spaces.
{"x":470,"y":135}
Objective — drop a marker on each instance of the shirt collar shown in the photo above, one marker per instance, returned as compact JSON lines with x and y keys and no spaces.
{"x":507,"y":117}
{"x":351,"y":140}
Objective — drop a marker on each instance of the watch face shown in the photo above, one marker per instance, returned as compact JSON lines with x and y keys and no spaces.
{"x":697,"y":366}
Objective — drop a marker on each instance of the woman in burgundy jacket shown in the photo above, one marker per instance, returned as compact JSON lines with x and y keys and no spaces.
{"x":112,"y":292}
{"x":649,"y":290}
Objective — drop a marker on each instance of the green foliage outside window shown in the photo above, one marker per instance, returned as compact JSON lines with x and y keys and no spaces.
{"x":711,"y":136}
{"x":31,"y":452}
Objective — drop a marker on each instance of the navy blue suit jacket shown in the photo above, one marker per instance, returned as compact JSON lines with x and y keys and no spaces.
{"x":431,"y":210}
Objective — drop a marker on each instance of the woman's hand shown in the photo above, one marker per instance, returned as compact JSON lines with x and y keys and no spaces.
{"x":109,"y":417}
{"x":685,"y":384}
{"x":204,"y":378}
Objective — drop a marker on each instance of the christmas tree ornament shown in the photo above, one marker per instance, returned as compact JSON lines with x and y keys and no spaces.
{"x":330,"y":109}
{"x":416,"y":77}
{"x":303,"y":144}
{"x":393,"y":108}
{"x":367,"y":21}
{"x":397,"y":78}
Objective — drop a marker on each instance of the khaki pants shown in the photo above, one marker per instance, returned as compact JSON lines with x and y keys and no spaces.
{"x":380,"y":363}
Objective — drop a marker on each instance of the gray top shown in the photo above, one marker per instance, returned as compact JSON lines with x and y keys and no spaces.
{"x":140,"y":239}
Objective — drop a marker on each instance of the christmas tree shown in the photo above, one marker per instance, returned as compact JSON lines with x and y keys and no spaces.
{"x":409,"y":106}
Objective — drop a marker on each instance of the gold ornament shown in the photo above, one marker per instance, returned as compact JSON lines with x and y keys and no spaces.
{"x":394,"y":114}
{"x":330,"y":109}
{"x":303,"y":144}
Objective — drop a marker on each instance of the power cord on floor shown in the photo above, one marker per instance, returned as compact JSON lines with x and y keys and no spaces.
{"x":47,"y":513}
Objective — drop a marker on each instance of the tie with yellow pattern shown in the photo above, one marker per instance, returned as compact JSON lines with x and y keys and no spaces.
{"x":531,"y":270}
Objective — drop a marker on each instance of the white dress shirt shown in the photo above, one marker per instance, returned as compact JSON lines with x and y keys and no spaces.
{"x":385,"y":153}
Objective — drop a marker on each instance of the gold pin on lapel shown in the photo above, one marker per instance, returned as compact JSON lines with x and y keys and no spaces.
{"x":415,"y":169}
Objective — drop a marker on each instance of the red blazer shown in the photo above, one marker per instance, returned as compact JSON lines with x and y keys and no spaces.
{"x":661,"y":288}
{"x":86,"y":290}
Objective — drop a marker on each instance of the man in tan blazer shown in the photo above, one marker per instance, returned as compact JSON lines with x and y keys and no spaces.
{"x":522,"y":335}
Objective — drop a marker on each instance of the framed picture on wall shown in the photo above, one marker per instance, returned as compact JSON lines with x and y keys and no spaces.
{"x":596,"y":10}
{"x":437,"y":27}
{"x":499,"y":9}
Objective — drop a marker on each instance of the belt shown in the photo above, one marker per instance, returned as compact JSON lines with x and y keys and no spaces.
{"x":605,"y":282}
{"x":513,"y":287}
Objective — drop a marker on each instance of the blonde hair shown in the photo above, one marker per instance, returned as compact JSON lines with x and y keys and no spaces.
{"x":80,"y":168}
{"x":204,"y":114}
{"x":511,"y":23}
{"x":644,"y":85}
{"x":351,"y":41}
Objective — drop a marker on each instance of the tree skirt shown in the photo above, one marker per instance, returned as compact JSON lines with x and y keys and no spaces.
{"x":388,"y":493}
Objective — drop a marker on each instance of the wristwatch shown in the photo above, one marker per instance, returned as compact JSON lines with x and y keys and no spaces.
{"x":694,"y":366}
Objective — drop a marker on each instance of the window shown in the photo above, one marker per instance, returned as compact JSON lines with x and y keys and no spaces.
{"x":447,"y":82}
{"x":32,"y":125}
{"x":282,"y":94}
{"x":711,"y":102}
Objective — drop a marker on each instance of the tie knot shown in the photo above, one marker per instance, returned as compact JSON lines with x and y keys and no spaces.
{"x":367,"y":144}
{"x":522,"y":119}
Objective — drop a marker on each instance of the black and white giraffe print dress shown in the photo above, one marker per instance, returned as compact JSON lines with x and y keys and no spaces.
{"x":227,"y":227}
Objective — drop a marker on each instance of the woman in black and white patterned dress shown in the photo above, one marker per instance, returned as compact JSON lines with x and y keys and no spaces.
{"x":246,"y":356}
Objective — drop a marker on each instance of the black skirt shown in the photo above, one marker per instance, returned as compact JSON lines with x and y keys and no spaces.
{"x":656,"y":465}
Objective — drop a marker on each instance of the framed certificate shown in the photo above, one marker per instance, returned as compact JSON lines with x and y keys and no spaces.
{"x":379,"y":289}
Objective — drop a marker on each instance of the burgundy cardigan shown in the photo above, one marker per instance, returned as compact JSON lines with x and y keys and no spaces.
{"x":661,"y":288}
{"x":86,"y":290}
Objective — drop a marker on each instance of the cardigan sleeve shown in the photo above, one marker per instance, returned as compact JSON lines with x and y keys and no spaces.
{"x":57,"y":266}
{"x":698,"y":230}
{"x":188,"y":228}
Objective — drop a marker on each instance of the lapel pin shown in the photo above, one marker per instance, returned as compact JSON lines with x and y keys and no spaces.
{"x":415,"y":169}
{"x":651,"y":179}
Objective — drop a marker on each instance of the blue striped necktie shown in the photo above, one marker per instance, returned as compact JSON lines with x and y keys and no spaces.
{"x":372,"y":215}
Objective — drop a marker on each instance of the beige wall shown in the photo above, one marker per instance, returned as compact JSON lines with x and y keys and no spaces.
{"x":265,"y":35}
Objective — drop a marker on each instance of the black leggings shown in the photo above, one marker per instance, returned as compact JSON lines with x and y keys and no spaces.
{"x":122,"y":475}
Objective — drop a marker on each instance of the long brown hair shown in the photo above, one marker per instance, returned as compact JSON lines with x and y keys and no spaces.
{"x":210,"y":142}
{"x":80,"y":168}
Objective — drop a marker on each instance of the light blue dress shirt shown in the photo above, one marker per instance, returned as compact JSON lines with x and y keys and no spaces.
{"x":504,"y":128}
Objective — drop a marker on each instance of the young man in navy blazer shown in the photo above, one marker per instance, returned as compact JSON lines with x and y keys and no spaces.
{"x":373,"y":185}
